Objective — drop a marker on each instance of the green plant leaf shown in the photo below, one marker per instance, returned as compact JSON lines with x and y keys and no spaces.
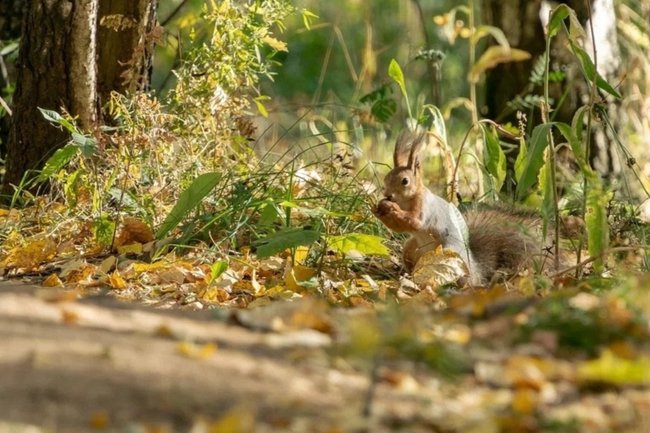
{"x":576,"y":145}
{"x":520,"y":162}
{"x":493,"y":56}
{"x":495,"y":159}
{"x":534,"y":159}
{"x":104,"y":229}
{"x":218,"y":268}
{"x":188,"y":200}
{"x":287,"y":238}
{"x":558,"y":15}
{"x":383,"y":109}
{"x":57,"y":161}
{"x":589,"y":70}
{"x":395,"y":72}
{"x":596,"y":221}
{"x":55,"y":118}
{"x":548,"y":196}
{"x":609,"y":368}
{"x":359,"y":242}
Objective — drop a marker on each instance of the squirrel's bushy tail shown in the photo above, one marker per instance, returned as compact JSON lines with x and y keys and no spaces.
{"x":509,"y":240}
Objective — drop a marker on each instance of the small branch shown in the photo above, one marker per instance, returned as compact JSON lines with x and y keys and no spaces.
{"x":600,"y":256}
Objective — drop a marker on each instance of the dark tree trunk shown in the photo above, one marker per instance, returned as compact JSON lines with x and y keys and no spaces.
{"x":56,"y":69}
{"x":126,"y":37}
{"x":519,"y":20}
{"x":11,"y":24}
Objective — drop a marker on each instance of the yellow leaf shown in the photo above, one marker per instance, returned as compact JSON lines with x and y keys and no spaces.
{"x":135,"y":248}
{"x":52,"y":281}
{"x":493,"y":56}
{"x":610,"y":368}
{"x":236,"y":421}
{"x":274,"y":43}
{"x":194,"y":351}
{"x":296,"y":275}
{"x":524,"y":401}
{"x":139,"y":268}
{"x":31,"y":255}
{"x":108,"y":264}
{"x":116,"y":281}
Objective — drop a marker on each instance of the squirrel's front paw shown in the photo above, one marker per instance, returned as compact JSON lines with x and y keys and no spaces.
{"x":385,"y":207}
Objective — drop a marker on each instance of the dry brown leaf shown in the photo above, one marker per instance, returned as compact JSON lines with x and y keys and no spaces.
{"x":439,"y":267}
{"x":52,"y":281}
{"x":134,"y":231}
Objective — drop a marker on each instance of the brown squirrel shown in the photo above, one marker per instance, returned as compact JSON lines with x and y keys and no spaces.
{"x":487,"y":240}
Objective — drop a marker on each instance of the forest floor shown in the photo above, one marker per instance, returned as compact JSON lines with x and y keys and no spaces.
{"x":95,"y":363}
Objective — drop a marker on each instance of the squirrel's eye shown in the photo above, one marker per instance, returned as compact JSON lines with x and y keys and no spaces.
{"x":405,"y":181}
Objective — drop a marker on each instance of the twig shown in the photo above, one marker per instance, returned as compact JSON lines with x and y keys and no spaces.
{"x":5,"y":106}
{"x":600,"y":256}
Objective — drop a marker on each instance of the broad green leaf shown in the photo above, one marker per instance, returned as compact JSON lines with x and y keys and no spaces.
{"x":596,"y":221}
{"x":383,"y":109}
{"x":534,"y":159}
{"x":576,"y":145}
{"x":359,"y":242}
{"x":395,"y":72}
{"x":609,"y":368}
{"x":57,"y":161}
{"x":558,"y":15}
{"x":438,"y":123}
{"x":589,"y":70}
{"x":547,"y":193}
{"x":520,"y":162}
{"x":104,"y":230}
{"x":87,"y":145}
{"x":188,"y":200}
{"x":284,"y":239}
{"x":493,"y":56}
{"x":495,"y":159}
{"x":55,"y":118}
{"x":218,"y":268}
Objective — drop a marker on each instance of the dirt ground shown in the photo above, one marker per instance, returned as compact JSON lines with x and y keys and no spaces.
{"x":98,"y":364}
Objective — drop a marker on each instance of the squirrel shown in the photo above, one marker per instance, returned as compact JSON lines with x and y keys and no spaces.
{"x":488,"y":240}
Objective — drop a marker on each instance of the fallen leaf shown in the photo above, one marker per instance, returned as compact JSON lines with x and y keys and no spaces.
{"x":52,"y":281}
{"x":116,"y":281}
{"x":134,"y":231}
{"x":439,"y":267}
{"x":194,"y":351}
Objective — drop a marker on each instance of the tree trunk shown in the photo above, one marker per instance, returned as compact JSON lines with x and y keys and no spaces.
{"x":125,"y":43}
{"x":56,"y":69}
{"x":11,"y":24}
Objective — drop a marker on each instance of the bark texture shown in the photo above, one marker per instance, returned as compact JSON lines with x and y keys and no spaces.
{"x":55,"y":69}
{"x":126,"y":37}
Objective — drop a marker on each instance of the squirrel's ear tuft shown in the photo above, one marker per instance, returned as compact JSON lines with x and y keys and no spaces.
{"x":414,"y":156}
{"x":401,"y":153}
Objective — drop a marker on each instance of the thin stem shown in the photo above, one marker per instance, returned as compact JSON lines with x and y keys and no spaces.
{"x":545,"y":118}
{"x":592,"y":100}
{"x":472,"y":96}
